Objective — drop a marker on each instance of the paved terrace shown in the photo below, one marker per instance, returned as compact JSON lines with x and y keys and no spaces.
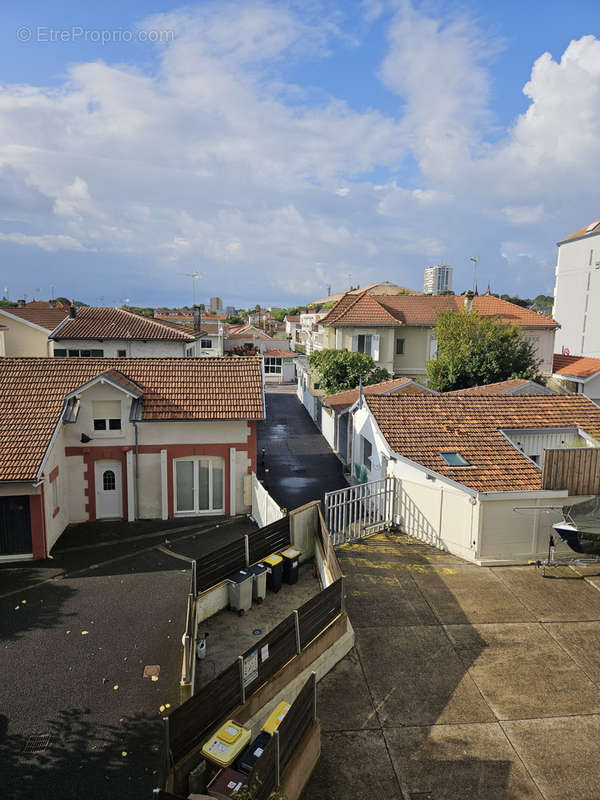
{"x":75,"y":635}
{"x":466,"y":683}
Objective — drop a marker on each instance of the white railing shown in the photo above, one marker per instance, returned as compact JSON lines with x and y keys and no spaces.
{"x":360,"y":510}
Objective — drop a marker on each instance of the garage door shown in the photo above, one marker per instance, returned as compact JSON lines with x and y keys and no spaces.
{"x":15,"y":525}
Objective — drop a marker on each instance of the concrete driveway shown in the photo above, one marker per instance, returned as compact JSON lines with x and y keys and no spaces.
{"x":301,"y":464}
{"x":76,"y":633}
{"x":465,"y":682}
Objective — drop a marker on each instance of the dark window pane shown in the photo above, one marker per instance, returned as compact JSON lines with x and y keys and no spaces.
{"x":60,"y":353}
{"x":121,"y":353}
{"x":114,"y":424}
{"x":99,"y":424}
{"x":73,"y":353}
{"x":86,"y":353}
{"x":97,"y":353}
{"x":108,"y":481}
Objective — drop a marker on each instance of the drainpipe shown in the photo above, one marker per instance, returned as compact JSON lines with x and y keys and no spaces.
{"x":137,"y":462}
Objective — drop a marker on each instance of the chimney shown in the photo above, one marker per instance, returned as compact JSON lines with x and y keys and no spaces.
{"x":21,"y":303}
{"x":197,"y":318}
{"x":52,"y":303}
{"x":72,"y":310}
{"x":468,"y":301}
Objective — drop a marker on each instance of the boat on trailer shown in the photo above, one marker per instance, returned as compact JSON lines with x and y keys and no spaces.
{"x":580,"y":528}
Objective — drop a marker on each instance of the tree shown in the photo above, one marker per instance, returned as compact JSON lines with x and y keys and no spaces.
{"x":341,"y":370}
{"x":446,"y":292}
{"x":475,"y":350}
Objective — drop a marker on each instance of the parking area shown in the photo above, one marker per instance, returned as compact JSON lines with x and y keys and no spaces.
{"x":465,"y":682}
{"x":77,"y":633}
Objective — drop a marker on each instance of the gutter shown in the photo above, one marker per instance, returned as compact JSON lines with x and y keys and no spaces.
{"x":137,"y":462}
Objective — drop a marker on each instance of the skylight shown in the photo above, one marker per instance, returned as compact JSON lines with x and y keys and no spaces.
{"x":592,"y":226}
{"x":455,"y":460}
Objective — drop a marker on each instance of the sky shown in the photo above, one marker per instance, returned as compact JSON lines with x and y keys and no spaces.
{"x":278,"y":148}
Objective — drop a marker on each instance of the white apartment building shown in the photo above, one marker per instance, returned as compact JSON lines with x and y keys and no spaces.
{"x":437,"y":279}
{"x":577,"y":293}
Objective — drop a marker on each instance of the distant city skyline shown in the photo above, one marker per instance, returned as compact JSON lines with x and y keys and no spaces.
{"x":278,"y":148}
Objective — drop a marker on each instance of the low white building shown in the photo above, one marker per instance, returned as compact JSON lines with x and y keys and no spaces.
{"x":91,"y":439}
{"x":468,"y":469}
{"x":578,"y":375}
{"x":96,"y":332}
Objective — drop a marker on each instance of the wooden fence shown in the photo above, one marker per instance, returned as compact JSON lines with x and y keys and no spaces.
{"x":190,"y":723}
{"x":576,"y":469}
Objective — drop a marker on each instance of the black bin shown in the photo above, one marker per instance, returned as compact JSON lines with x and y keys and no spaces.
{"x":251,"y":754}
{"x":291,"y":562}
{"x":274,"y":564}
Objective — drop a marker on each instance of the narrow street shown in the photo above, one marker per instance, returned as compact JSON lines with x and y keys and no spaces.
{"x":300,"y":463}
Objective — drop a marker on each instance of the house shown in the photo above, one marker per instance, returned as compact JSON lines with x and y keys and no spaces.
{"x":278,"y":365}
{"x":308,"y":334}
{"x":99,"y":332}
{"x":398,"y":331}
{"x":291,"y":323}
{"x":335,"y":410}
{"x":27,"y":328}
{"x":511,"y":386}
{"x":103,"y":438}
{"x":248,"y":337}
{"x":259,"y":317}
{"x":577,"y":292}
{"x":469,"y":469}
{"x":579,"y":375}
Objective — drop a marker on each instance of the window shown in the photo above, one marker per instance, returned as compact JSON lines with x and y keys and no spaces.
{"x":206,"y":344}
{"x":121,"y":353}
{"x":399,"y":347}
{"x":455,"y":460}
{"x":199,"y":485}
{"x":272,"y":365}
{"x":364,"y":343}
{"x":367,"y":450}
{"x":79,"y":353}
{"x":189,"y":352}
{"x":107,"y":415}
{"x":535,"y":459}
{"x":109,"y":484}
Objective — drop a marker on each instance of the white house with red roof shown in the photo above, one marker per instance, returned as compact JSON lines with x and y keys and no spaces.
{"x":87,"y":439}
{"x":25,"y":329}
{"x":578,"y":374}
{"x":469,"y":469}
{"x":398,"y":331}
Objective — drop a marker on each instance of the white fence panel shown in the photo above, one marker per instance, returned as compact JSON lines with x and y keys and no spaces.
{"x":264,"y":509}
{"x":360,"y":510}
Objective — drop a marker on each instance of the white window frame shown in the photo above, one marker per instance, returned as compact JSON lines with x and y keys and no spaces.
{"x":196,"y":511}
{"x":273,"y":365}
{"x":206,"y":344}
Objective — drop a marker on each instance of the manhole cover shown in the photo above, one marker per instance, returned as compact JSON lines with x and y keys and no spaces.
{"x":37,"y":743}
{"x":257,"y":631}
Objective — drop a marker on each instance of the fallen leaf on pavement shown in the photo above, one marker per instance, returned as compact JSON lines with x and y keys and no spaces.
{"x":116,"y":686}
{"x":84,"y":633}
{"x":124,"y":753}
{"x":154,"y":677}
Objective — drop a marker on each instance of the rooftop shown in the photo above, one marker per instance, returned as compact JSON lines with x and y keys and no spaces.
{"x":575,"y":366}
{"x":512,"y":386}
{"x":380,"y":287}
{"x":96,"y":322}
{"x":45,"y":317}
{"x":342,"y":400}
{"x":384,"y":310}
{"x":33,"y":392}
{"x":420,"y":428}
{"x":592,"y":229}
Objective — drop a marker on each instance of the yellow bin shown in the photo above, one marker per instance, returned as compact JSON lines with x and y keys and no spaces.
{"x":226,"y":744}
{"x":275,"y":717}
{"x":274,"y":564}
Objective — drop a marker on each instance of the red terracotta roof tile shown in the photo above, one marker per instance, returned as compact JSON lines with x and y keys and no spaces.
{"x":575,"y":366}
{"x":501,"y":387}
{"x":47,"y":318}
{"x":420,"y":428}
{"x":94,"y":322}
{"x":342,"y":400}
{"x":33,"y":391}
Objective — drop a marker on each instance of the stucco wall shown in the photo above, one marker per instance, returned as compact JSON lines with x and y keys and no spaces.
{"x":135,"y":349}
{"x":577,"y":297}
{"x":21,"y":339}
{"x":328,"y":420}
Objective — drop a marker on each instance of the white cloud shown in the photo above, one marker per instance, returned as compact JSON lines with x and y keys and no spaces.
{"x":213,"y":161}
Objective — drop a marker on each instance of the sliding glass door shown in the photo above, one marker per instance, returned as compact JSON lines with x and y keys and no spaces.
{"x":199,"y":485}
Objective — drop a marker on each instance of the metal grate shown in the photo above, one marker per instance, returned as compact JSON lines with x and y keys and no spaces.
{"x":37,"y":743}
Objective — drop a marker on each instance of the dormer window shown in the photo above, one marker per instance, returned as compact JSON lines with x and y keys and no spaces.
{"x":454,"y":459}
{"x":107,"y":415}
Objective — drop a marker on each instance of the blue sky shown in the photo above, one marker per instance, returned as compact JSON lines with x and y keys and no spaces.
{"x":280,"y":147}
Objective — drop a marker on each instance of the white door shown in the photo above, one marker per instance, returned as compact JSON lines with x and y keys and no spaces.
{"x":109,"y":495}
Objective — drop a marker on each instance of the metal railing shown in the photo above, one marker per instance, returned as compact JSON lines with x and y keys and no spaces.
{"x":360,"y":510}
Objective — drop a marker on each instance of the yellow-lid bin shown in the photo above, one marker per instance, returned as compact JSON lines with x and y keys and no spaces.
{"x":226,"y":744}
{"x":291,"y":552}
{"x":273,"y":559}
{"x":275,"y":717}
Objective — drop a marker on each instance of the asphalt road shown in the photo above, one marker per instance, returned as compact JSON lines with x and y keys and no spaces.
{"x":300,"y":463}
{"x":75,"y":635}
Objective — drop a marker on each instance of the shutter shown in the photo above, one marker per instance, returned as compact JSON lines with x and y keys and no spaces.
{"x":355,"y":344}
{"x":107,"y":409}
{"x":375,"y":348}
